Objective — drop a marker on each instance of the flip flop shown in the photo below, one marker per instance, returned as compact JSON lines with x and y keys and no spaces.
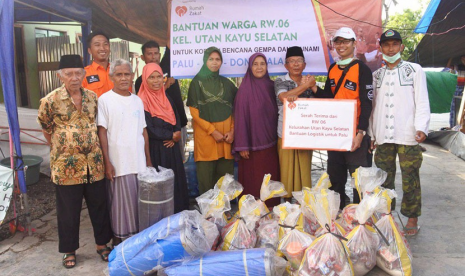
{"x":66,"y":263}
{"x":416,"y":228}
{"x":104,"y":255}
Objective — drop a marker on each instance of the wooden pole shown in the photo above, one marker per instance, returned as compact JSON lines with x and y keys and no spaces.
{"x":168,"y":35}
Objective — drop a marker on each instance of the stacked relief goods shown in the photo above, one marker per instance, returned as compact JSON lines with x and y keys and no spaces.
{"x":181,"y":236}
{"x":291,"y":240}
{"x":156,"y":191}
{"x":311,"y":224}
{"x":365,"y":181}
{"x":328,"y":254}
{"x":363,"y":240}
{"x":268,"y":225}
{"x":394,"y":257}
{"x":215,"y":202}
{"x":239,"y":233}
{"x":293,"y":247}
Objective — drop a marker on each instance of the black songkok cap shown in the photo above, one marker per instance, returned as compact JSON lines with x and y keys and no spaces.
{"x":390,"y":34}
{"x":294,"y":51}
{"x":71,"y":61}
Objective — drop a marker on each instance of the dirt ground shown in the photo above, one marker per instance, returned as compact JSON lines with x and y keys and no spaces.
{"x":41,"y":198}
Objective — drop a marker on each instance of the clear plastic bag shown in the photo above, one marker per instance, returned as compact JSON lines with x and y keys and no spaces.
{"x":268,"y":234}
{"x":328,"y":254}
{"x":271,"y":188}
{"x":347,"y":219}
{"x":395,"y":258}
{"x":363,"y":241}
{"x":323,"y":182}
{"x":293,"y":246}
{"x":213,"y":204}
{"x":367,"y":179}
{"x":311,"y":224}
{"x":229,"y":186}
{"x":289,"y":215}
{"x":325,"y":205}
{"x":239,"y":232}
{"x":156,"y":196}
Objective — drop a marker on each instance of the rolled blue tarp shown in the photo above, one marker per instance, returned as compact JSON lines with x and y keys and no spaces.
{"x":256,"y":262}
{"x":171,"y":240}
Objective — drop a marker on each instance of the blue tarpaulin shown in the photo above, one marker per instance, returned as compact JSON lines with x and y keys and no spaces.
{"x":7,"y":71}
{"x":425,"y":21}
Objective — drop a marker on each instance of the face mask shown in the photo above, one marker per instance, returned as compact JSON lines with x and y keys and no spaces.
{"x":392,"y":59}
{"x":344,"y":61}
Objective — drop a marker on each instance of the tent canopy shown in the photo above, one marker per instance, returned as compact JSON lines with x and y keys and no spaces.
{"x":444,"y":27}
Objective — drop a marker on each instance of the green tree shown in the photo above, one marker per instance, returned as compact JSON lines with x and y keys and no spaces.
{"x":405,"y":23}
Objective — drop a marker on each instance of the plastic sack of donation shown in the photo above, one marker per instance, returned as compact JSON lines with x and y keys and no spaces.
{"x":229,"y":186}
{"x":271,"y":188}
{"x":293,"y":246}
{"x":268,"y":234}
{"x":290,"y":216}
{"x":366,"y":180}
{"x":395,"y":258}
{"x":328,"y":254}
{"x":156,"y":195}
{"x":213,"y":204}
{"x":363,"y":241}
{"x":331,"y":210}
{"x":176,"y":238}
{"x":303,"y":197}
{"x":256,"y":262}
{"x":348,"y":220}
{"x":239,"y":232}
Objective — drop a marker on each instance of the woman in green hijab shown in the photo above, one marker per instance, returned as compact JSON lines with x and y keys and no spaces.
{"x":210,"y":100}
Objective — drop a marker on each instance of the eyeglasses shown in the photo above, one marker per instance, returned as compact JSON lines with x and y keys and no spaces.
{"x":345,"y":42}
{"x":295,"y":61}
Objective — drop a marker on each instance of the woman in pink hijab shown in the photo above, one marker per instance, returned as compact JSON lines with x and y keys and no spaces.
{"x":164,"y":130}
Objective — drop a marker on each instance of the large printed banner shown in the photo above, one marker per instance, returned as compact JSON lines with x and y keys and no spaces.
{"x":319,"y":124}
{"x":243,"y":27}
{"x":6,"y":190}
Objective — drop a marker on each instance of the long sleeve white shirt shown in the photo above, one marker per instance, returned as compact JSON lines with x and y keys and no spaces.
{"x":400,"y":104}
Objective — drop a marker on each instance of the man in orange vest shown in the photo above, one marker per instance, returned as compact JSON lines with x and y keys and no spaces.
{"x":349,"y":78}
{"x":97,"y":78}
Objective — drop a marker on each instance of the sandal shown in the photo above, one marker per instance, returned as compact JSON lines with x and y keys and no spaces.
{"x":104,"y":252}
{"x":407,"y":229}
{"x":70,"y":263}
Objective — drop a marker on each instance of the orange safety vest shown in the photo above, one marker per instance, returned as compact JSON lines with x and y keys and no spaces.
{"x":350,"y":86}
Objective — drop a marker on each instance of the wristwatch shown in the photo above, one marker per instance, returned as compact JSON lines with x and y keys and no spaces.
{"x":363,"y":132}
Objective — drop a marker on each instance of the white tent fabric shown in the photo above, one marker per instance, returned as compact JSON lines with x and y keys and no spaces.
{"x":30,"y":133}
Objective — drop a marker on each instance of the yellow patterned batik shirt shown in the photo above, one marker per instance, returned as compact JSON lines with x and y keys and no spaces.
{"x":75,"y":147}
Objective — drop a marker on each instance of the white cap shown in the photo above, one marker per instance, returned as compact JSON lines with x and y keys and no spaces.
{"x":345,"y":32}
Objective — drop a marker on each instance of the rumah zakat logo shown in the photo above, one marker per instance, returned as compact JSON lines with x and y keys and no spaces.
{"x":292,"y":105}
{"x":181,"y":10}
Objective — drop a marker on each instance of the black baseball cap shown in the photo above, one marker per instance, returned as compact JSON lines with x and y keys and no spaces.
{"x":390,"y":34}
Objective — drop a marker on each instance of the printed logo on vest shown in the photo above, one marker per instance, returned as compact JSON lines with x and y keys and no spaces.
{"x":332,"y":82}
{"x":92,"y":79}
{"x":350,"y":85}
{"x":370,"y":95}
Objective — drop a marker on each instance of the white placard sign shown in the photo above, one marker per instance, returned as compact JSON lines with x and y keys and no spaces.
{"x":240,"y":28}
{"x":319,"y":124}
{"x":6,"y":190}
